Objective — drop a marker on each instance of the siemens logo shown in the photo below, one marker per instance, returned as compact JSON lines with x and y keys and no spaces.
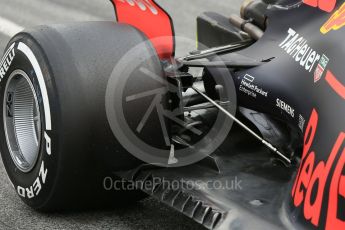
{"x":285,"y":107}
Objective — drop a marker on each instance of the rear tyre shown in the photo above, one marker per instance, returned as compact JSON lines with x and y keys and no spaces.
{"x":55,"y":139}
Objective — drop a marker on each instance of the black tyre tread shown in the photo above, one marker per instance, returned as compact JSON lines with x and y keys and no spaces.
{"x":80,"y":58}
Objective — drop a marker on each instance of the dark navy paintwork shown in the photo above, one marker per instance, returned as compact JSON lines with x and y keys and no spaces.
{"x":274,"y":196}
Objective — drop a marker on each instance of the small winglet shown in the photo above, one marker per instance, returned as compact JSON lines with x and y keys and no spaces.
{"x":152,"y":20}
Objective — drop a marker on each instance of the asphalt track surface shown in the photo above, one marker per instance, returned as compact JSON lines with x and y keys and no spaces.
{"x":148,"y":214}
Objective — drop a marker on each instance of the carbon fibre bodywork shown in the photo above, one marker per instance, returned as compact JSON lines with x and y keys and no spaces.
{"x":300,"y":84}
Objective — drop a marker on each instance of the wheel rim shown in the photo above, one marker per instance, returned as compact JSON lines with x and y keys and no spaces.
{"x":22,"y":121}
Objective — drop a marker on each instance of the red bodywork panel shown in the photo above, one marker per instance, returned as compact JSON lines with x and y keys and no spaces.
{"x":325,"y":5}
{"x":152,"y":20}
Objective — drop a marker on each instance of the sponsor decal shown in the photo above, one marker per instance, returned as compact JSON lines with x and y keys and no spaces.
{"x":7,"y":61}
{"x":34,"y":190}
{"x":320,"y":68}
{"x":142,"y":4}
{"x":298,"y":48}
{"x":285,"y":107}
{"x":321,"y":183}
{"x":248,"y":87}
{"x":325,"y":5}
{"x":335,"y":22}
{"x":301,"y":122}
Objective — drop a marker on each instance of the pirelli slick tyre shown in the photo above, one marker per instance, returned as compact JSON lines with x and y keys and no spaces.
{"x":55,"y":139}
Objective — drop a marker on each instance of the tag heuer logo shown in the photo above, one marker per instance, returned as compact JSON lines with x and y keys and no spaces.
{"x":320,"y":69}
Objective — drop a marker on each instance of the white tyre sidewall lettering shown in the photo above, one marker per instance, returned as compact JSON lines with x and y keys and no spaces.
{"x":1,"y":77}
{"x":3,"y":70}
{"x":37,"y":185}
{"x":33,"y":60}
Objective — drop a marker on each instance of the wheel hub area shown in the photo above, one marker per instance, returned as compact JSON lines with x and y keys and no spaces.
{"x":22,"y":121}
